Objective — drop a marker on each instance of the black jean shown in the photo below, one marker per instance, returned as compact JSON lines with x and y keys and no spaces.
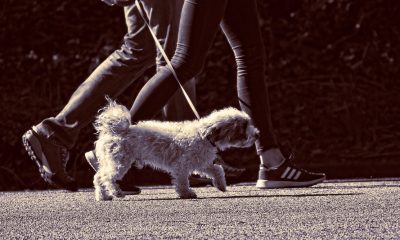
{"x":199,"y":23}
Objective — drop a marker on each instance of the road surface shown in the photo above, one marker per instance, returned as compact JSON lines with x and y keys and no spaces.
{"x":332,"y":210}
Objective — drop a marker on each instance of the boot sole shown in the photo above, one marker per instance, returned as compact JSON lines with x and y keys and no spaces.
{"x":46,"y":176}
{"x":32,"y":155}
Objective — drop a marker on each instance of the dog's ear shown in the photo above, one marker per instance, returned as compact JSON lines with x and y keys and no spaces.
{"x":212,"y":133}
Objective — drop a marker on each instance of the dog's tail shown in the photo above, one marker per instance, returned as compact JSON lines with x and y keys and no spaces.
{"x":113,"y":118}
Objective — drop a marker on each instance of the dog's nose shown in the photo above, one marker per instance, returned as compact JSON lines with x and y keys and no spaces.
{"x":257,"y":135}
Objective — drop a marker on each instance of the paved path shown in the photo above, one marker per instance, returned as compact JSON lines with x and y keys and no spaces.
{"x":334,"y":210}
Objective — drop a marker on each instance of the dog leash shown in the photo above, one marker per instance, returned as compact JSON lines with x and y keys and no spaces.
{"x":169,"y":65}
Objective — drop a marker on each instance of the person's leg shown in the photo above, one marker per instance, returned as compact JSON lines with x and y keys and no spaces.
{"x":245,"y":39}
{"x":198,"y":25}
{"x":47,"y":142}
{"x":244,"y":36}
{"x":111,"y":78}
{"x":176,"y":108}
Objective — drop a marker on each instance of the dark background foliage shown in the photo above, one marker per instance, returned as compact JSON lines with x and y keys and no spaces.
{"x":332,"y":74}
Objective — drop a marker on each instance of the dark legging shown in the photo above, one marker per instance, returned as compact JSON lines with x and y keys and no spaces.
{"x":199,"y":24}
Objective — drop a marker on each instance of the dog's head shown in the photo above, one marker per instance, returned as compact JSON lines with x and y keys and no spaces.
{"x":230,"y":128}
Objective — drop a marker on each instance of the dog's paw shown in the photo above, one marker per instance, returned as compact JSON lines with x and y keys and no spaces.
{"x":222,"y":188}
{"x":187,"y":195}
{"x":103,"y":198}
{"x":220,"y":185}
{"x":101,"y":195}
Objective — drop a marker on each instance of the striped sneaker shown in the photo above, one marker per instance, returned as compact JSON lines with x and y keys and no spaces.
{"x":287,"y":176}
{"x":94,"y":163}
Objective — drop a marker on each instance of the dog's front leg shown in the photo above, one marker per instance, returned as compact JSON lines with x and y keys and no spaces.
{"x":181,"y":182}
{"x":113,"y":188}
{"x":100,"y":191}
{"x":216,"y":172}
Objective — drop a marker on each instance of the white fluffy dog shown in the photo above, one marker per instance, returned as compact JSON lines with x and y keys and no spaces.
{"x":178,"y":148}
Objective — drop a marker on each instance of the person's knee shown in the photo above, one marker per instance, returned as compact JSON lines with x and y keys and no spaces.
{"x":187,"y":61}
{"x":187,"y":68}
{"x":251,"y":56}
{"x":132,"y":54}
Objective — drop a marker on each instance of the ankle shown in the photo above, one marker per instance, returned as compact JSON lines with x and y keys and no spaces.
{"x":272,"y":158}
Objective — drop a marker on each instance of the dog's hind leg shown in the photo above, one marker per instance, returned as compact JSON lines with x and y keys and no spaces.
{"x":216,"y":172}
{"x":181,"y":182}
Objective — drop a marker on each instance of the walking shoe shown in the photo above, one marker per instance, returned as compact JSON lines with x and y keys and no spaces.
{"x":286,"y":176}
{"x":94,"y":163}
{"x":50,"y":158}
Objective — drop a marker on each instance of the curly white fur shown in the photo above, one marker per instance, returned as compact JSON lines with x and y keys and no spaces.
{"x":178,"y":148}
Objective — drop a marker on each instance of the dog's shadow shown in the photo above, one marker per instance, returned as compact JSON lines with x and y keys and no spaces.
{"x":242,"y":196}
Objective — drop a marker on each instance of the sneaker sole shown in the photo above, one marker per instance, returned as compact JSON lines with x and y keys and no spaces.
{"x":265,"y":184}
{"x":93,"y":162}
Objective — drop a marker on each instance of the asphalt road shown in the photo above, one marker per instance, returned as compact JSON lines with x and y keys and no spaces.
{"x":334,"y":210}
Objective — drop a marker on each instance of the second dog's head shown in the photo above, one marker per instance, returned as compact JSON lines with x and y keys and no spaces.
{"x":229,"y":128}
